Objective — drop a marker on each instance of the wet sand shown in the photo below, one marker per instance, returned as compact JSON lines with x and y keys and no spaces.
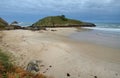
{"x":61,"y":57}
{"x":99,"y":37}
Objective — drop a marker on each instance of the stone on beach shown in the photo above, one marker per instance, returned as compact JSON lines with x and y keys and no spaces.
{"x":33,"y":66}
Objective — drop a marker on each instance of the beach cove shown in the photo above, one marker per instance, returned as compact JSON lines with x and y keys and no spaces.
{"x":59,"y":55}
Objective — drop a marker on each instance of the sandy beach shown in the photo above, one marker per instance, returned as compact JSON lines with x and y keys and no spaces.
{"x":59,"y":56}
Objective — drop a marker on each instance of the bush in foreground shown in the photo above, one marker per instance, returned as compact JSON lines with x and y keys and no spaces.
{"x":8,"y":70}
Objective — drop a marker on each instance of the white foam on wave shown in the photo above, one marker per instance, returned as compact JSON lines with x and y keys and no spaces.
{"x":104,"y":29}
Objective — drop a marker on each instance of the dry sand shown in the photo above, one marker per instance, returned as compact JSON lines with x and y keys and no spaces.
{"x":61,"y":57}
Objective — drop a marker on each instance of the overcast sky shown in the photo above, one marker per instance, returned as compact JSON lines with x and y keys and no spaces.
{"x":86,"y":10}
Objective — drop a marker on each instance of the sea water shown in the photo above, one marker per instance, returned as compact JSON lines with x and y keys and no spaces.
{"x":106,"y":34}
{"x":25,"y":24}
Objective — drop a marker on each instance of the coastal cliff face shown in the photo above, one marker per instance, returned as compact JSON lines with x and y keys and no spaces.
{"x":3,"y":23}
{"x":61,"y":21}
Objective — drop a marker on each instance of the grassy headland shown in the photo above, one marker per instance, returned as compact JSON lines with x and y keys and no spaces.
{"x":56,"y":21}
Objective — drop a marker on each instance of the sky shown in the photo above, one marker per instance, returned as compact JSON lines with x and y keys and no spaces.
{"x":85,"y":10}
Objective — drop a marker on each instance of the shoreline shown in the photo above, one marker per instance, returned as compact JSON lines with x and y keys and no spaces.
{"x":98,"y":37}
{"x":64,"y":55}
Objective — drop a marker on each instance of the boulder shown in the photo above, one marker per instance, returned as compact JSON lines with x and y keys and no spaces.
{"x":33,"y":66}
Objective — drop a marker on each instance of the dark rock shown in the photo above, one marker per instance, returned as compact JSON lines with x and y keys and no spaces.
{"x":34,"y":28}
{"x":68,"y":75}
{"x":50,"y":66}
{"x":12,"y":27}
{"x":78,"y":75}
{"x":53,"y":30}
{"x":87,"y":24}
{"x":42,"y":65}
{"x":44,"y":72}
{"x":116,"y":74}
{"x":95,"y":76}
{"x":33,"y":66}
{"x":27,"y":28}
{"x":9,"y":28}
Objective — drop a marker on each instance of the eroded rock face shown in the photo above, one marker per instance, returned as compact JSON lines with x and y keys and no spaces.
{"x":86,"y":24}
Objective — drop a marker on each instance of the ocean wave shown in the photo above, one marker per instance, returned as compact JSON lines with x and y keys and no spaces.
{"x":103,"y":29}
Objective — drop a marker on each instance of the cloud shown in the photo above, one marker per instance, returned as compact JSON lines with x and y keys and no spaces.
{"x":80,"y":7}
{"x":55,"y":5}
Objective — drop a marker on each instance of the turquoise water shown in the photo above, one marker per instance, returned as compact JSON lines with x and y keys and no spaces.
{"x":25,"y":24}
{"x":103,"y":34}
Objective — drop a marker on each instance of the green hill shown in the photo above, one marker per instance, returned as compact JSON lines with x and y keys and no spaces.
{"x":57,"y":21}
{"x":3,"y":23}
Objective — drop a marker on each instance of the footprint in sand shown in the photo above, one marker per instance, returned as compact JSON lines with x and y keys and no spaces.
{"x":47,"y":69}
